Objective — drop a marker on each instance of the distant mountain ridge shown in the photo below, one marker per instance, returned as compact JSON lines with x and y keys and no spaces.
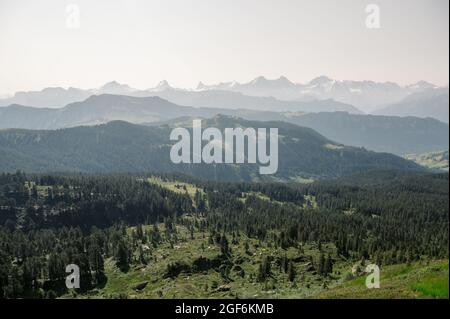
{"x":53,"y":97}
{"x":275,"y":94}
{"x":96,"y":109}
{"x":59,"y":97}
{"x":123,"y":147}
{"x":103,"y":108}
{"x":236,"y":100}
{"x":397,"y":135}
{"x":429,"y":103}
{"x":379,"y":133}
{"x":365,"y":95}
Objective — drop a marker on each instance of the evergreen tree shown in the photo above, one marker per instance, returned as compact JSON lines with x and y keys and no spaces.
{"x":291,"y":271}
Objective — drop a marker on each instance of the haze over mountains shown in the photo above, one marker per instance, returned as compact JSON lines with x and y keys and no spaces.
{"x":59,"y":97}
{"x":379,"y":133}
{"x":321,"y":94}
{"x":365,"y":95}
{"x":428,"y":103}
{"x":397,"y":135}
{"x":409,"y":119}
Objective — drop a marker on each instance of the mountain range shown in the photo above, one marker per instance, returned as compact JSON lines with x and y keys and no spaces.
{"x":59,"y":97}
{"x":421,"y":99}
{"x":124,"y":147}
{"x":398,"y":135}
{"x":365,"y":95}
{"x":318,"y":95}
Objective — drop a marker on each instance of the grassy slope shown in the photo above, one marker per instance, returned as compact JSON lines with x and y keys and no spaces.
{"x":418,"y":280}
{"x":200,"y":285}
{"x":434,"y":160}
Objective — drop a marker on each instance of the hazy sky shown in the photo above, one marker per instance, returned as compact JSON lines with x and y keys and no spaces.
{"x":186,"y":41}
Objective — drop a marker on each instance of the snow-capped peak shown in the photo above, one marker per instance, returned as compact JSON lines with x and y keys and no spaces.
{"x":162,"y":85}
{"x":421,"y":85}
{"x":115,"y":87}
{"x":258,"y":80}
{"x":201,"y":86}
{"x":320,"y":80}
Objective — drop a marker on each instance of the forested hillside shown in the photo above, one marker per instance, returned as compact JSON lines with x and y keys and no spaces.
{"x":123,"y":147}
{"x":165,"y":236}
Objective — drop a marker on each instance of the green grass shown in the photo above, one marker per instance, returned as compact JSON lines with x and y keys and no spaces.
{"x":418,"y":280}
{"x":175,"y":186}
{"x":434,"y":283}
{"x":435,"y":160}
{"x":310,"y":202}
{"x":301,"y":180}
{"x":432,"y":287}
{"x":205,"y":284}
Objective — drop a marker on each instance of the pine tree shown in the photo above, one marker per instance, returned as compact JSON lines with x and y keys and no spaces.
{"x":321,"y":266}
{"x":122,"y":257}
{"x":224,"y":248}
{"x":328,"y":268}
{"x":264,"y":269}
{"x":291,"y":271}
{"x":97,"y":263}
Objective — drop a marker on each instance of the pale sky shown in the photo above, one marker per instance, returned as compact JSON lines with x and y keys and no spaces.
{"x":140,"y":42}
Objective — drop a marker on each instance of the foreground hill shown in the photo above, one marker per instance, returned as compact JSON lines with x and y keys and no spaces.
{"x":175,"y":236}
{"x":123,"y":147}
